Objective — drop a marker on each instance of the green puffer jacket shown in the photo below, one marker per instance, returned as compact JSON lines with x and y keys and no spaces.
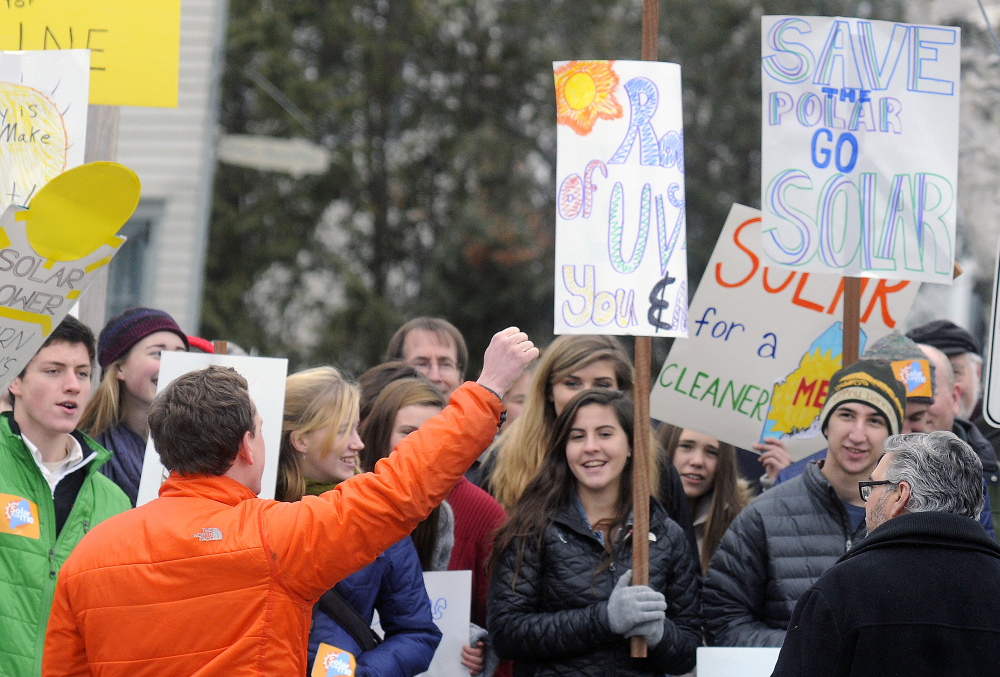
{"x":30,"y":553}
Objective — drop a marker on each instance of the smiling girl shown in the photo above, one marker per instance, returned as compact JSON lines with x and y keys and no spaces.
{"x":458,"y":534}
{"x":128,"y":352}
{"x":560,"y":597}
{"x":320,"y":447}
{"x":708,"y":473}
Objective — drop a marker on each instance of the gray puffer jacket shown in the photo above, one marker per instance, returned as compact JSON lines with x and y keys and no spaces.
{"x":772,"y":553}
{"x":553,"y":620}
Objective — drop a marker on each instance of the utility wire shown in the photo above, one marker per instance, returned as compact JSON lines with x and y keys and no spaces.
{"x":279,"y":98}
{"x":996,"y":44}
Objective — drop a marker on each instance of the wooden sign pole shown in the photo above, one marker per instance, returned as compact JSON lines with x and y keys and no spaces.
{"x":852,"y":320}
{"x":102,"y":145}
{"x":643,"y":359}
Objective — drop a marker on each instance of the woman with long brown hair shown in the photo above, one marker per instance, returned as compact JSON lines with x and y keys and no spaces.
{"x":570,"y":365}
{"x":560,"y":597}
{"x":458,"y":535}
{"x":707,"y":468}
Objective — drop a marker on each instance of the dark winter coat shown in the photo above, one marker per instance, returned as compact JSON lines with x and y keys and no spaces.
{"x":554,"y":620}
{"x":917,"y":598}
{"x":776,"y":548}
{"x":671,"y":494}
{"x":394,"y":585}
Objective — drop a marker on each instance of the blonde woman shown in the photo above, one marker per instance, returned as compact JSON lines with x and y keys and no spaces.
{"x":570,"y":365}
{"x":320,"y":445}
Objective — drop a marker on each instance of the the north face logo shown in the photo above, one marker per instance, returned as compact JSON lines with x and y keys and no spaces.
{"x":18,"y":513}
{"x":209,"y":534}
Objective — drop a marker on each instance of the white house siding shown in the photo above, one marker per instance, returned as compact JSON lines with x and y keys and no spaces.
{"x":173,"y":152}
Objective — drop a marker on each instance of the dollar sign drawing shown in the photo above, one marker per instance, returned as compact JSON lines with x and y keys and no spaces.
{"x":656,"y":303}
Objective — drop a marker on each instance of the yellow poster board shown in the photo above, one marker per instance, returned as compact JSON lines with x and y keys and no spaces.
{"x":134,"y":46}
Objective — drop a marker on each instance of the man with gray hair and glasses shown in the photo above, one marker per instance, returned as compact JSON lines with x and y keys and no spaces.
{"x":918,"y":595}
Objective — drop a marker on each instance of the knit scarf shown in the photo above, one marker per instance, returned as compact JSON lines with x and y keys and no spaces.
{"x":315,"y":488}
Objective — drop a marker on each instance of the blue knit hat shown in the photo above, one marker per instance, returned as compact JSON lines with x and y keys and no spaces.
{"x":129,"y":327}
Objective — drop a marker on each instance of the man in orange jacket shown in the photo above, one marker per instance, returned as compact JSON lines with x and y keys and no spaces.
{"x":210,"y":579}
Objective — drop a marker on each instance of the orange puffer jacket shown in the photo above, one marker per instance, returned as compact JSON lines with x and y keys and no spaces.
{"x":209,"y":579}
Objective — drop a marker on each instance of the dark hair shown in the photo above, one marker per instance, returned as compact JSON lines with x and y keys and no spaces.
{"x":374,"y":381}
{"x":443,"y":329}
{"x":376,"y":433}
{"x":71,"y":331}
{"x":198,"y":421}
{"x":729,"y":493}
{"x":554,"y":485}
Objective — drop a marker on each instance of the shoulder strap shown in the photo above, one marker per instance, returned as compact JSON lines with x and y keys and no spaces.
{"x":333,"y":604}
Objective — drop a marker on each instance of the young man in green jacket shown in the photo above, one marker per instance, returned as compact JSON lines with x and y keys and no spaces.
{"x":51,"y":492}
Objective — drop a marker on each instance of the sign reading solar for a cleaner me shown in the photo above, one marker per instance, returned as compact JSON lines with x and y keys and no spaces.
{"x":860,"y":147}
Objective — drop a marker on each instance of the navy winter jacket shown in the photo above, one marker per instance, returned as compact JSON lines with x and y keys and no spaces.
{"x":394,"y":585}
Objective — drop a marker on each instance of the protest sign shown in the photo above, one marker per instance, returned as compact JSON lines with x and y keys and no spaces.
{"x":450,"y":594}
{"x":134,"y":46}
{"x":266,"y":379}
{"x":43,"y":119}
{"x":991,"y":373}
{"x":764,"y":343}
{"x":50,"y":252}
{"x":860,"y":147}
{"x":731,"y":661}
{"x":620,"y":263}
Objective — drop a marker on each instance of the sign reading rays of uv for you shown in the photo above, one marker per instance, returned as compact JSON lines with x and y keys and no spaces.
{"x":50,"y":252}
{"x":266,"y":380}
{"x":621,"y":263}
{"x":43,"y":119}
{"x":764,"y":343}
{"x":860,"y":147}
{"x":134,"y":45}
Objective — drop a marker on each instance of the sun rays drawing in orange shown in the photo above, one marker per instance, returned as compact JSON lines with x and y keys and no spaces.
{"x":585,"y":92}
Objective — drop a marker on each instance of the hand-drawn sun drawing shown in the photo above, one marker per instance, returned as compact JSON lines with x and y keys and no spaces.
{"x":32,"y":142}
{"x":585,"y":92}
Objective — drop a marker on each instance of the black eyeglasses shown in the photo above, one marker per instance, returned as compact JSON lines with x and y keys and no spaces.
{"x":865,"y":488}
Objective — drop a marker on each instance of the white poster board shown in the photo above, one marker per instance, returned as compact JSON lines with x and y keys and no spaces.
{"x":736,"y":661}
{"x":764,"y":343}
{"x":266,"y":378}
{"x":621,"y":264}
{"x":450,"y":594}
{"x":43,"y":119}
{"x":860,"y":146}
{"x":991,"y":389}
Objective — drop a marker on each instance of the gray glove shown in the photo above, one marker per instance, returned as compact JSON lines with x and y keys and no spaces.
{"x":651,"y":632}
{"x":633,"y":605}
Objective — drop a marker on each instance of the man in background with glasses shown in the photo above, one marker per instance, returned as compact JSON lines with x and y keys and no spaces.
{"x":918,"y":595}
{"x":434,"y":347}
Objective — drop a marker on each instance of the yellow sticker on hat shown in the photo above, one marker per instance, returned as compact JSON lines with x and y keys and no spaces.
{"x":18,"y":516}
{"x":333,"y":662}
{"x":915,"y":375}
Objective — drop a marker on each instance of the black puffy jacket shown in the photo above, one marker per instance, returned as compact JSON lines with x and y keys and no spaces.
{"x":554,"y":620}
{"x":776,"y":548}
